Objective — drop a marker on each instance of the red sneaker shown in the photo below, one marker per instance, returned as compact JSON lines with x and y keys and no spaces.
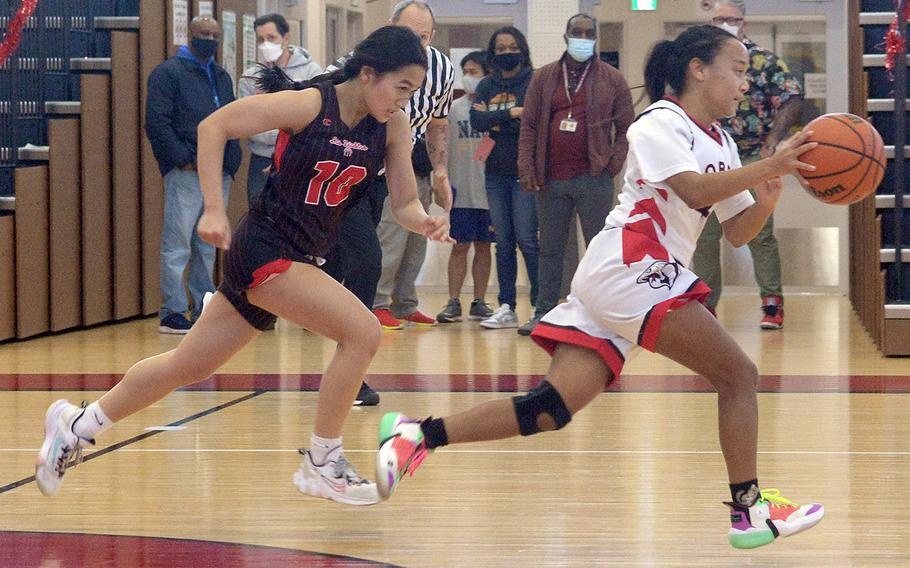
{"x":387,"y":320}
{"x":420,"y":320}
{"x":773,"y":309}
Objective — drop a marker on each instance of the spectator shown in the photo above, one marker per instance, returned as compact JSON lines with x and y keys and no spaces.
{"x":273,"y":37}
{"x":403,"y":252}
{"x":470,"y":216}
{"x":763,"y":119}
{"x":572,"y":144}
{"x":182,"y":91}
{"x":497,"y":111}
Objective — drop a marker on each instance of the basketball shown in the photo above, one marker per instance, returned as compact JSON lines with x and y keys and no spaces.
{"x":849,"y":159}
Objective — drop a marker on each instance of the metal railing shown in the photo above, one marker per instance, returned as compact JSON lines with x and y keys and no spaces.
{"x":900,"y":140}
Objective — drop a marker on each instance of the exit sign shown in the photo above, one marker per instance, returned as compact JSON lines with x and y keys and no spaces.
{"x":644,"y":4}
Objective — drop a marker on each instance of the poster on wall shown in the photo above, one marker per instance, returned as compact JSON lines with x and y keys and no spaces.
{"x":229,"y":45}
{"x":181,"y":21}
{"x":249,"y":41}
{"x":206,"y":8}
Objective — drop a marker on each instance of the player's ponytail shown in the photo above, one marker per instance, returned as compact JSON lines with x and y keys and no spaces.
{"x":668,"y":61}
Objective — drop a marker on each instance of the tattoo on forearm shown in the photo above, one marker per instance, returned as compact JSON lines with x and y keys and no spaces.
{"x":785,"y":118}
{"x":438,"y":144}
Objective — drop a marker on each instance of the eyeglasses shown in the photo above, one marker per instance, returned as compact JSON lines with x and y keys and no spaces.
{"x":731,"y":21}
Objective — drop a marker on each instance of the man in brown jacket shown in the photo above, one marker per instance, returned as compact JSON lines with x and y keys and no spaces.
{"x":572,"y":143}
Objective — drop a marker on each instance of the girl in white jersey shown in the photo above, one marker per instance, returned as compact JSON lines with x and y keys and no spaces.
{"x":633,"y":287}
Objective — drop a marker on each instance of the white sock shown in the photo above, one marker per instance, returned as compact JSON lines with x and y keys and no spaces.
{"x":324,"y":449}
{"x":92,"y":422}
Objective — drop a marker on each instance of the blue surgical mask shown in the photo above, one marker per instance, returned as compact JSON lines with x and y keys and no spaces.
{"x":581,"y":49}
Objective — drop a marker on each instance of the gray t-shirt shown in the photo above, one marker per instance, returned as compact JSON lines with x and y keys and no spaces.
{"x":465,"y":173}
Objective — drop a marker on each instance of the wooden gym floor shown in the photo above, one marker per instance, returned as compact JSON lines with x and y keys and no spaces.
{"x":637,"y":479}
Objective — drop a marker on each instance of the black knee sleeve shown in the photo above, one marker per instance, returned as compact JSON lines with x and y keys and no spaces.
{"x":542,"y":400}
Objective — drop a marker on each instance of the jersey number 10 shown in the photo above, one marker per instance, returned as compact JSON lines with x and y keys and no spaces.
{"x":339,"y":188}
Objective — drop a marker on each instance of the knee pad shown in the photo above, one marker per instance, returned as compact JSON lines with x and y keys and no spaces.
{"x":542,"y":400}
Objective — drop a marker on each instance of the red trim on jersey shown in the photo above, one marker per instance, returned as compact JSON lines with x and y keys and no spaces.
{"x":262,"y":274}
{"x":711,"y":130}
{"x":663,"y":193}
{"x":550,"y":336}
{"x":639,"y":239}
{"x":283,"y":138}
{"x":698,"y":293}
{"x":649,"y":207}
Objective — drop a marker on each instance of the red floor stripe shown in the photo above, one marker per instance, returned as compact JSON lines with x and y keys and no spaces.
{"x":881,"y":384}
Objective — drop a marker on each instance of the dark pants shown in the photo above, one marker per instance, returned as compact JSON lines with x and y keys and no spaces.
{"x":256,"y":178}
{"x":356,"y":260}
{"x":590,"y":197}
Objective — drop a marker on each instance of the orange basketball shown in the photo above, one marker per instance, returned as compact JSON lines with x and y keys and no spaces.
{"x":849,"y":159}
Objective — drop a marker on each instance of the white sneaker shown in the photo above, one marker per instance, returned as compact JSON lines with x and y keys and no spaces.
{"x":336,"y":480}
{"x":504,"y":317}
{"x":62,"y":448}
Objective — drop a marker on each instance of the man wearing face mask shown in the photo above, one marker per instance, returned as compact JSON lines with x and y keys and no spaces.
{"x":273,"y":37}
{"x":182,"y":92}
{"x":572,"y":144}
{"x":771,"y":107}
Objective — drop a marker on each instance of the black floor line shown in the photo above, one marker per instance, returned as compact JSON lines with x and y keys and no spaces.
{"x":143,"y":436}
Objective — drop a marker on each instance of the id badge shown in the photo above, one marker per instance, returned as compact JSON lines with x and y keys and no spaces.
{"x":568,"y":125}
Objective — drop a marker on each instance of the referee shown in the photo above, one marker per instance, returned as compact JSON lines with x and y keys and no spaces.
{"x":360,"y":261}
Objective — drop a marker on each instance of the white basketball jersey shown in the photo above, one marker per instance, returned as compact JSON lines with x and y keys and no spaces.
{"x":664,"y":141}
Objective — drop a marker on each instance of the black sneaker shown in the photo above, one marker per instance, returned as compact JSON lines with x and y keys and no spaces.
{"x":479,"y":310}
{"x":529,"y":326}
{"x":451,"y":313}
{"x":366,"y":396}
{"x":175,"y":324}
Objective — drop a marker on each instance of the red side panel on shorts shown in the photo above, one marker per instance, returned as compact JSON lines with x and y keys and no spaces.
{"x":651,"y":328}
{"x":266,"y":271}
{"x":549,"y":336}
{"x":639,"y":240}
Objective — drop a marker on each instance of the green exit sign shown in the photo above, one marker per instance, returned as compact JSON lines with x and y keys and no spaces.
{"x":644,"y":4}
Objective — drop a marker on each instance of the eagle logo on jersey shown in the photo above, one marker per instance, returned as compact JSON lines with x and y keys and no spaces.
{"x":660,"y":274}
{"x":348,"y":146}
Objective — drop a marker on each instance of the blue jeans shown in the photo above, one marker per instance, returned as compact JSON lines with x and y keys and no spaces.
{"x":514,"y":215}
{"x":181,"y":245}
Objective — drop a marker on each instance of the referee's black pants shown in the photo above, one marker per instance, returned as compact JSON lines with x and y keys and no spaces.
{"x":356,"y":261}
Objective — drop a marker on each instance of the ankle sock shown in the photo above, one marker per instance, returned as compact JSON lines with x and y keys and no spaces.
{"x":324,"y":449}
{"x":745,"y":493}
{"x":434,"y":432}
{"x":92,"y":422}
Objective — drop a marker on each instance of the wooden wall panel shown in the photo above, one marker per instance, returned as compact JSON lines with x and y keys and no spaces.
{"x":152,"y":47}
{"x":97,"y":281}
{"x":7,"y":277}
{"x":126,"y":191}
{"x":32,"y":280}
{"x":65,"y":223}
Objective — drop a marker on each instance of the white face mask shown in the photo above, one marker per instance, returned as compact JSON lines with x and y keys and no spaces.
{"x":470,"y":84}
{"x":270,"y":52}
{"x":731,"y":29}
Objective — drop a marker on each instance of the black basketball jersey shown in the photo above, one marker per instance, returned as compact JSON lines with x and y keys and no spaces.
{"x":318,"y":174}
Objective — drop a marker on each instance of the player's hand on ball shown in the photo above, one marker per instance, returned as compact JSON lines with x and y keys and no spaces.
{"x":215,"y":229}
{"x":437,"y":229}
{"x":786,"y":155}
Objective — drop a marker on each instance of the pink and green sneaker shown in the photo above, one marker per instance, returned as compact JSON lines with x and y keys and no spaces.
{"x":401,"y":450}
{"x":770,"y":517}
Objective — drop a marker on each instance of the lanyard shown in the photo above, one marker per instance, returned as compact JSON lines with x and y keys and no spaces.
{"x":565,"y":79}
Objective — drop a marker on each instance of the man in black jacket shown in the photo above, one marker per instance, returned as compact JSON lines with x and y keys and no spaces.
{"x":182,"y":91}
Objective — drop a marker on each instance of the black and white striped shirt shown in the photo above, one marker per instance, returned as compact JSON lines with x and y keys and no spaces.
{"x":433,"y":99}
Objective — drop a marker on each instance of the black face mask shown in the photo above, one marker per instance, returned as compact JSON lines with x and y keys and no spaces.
{"x":507,"y":61}
{"x":204,"y":48}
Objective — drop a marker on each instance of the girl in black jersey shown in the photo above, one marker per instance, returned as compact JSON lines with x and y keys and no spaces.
{"x":335,"y":138}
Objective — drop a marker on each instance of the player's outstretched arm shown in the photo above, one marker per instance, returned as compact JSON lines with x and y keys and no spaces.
{"x":403,"y":185}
